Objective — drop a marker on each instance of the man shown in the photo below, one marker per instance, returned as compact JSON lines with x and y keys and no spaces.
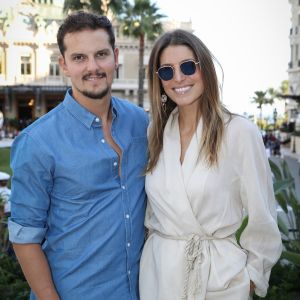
{"x":78,"y":195}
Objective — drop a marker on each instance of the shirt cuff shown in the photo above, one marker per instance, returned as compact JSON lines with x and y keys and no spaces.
{"x":19,"y":234}
{"x":260,"y":281}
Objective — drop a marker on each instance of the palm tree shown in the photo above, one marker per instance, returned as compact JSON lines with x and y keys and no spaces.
{"x":101,"y":7}
{"x":261,"y":99}
{"x":141,"y":20}
{"x":278,"y":94}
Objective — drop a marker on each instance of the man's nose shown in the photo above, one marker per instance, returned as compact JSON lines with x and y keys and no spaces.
{"x":92,"y":64}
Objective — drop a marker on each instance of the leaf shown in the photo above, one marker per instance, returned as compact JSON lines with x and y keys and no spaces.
{"x":275,"y":170}
{"x":294,"y":202}
{"x":282,"y":202}
{"x":282,"y":227}
{"x":283,"y":184}
{"x":293,"y":257}
{"x":241,"y":229}
{"x":286,"y":172}
{"x":295,"y":245}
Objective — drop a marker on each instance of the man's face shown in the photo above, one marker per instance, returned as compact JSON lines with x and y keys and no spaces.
{"x":90,"y":62}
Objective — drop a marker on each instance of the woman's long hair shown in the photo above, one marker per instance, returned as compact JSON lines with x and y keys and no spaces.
{"x":210,"y":107}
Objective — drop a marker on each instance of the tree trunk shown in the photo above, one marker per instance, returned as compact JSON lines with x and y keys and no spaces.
{"x":141,"y":72}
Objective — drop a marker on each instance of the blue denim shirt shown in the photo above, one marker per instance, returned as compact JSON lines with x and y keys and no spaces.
{"x":67,"y":194}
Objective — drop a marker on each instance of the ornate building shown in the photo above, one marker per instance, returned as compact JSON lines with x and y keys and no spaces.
{"x":30,"y":80}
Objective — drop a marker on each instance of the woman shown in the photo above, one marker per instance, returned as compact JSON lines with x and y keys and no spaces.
{"x":207,"y":168}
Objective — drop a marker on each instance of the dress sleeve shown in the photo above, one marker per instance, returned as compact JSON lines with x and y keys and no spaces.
{"x":261,"y":238}
{"x":31,"y":186}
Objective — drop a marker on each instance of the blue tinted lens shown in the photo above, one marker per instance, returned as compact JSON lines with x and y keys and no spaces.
{"x":165,"y":73}
{"x":188,"y":67}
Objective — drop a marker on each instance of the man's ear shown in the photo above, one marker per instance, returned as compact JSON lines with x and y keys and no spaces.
{"x":116,"y":54}
{"x":63,"y":66}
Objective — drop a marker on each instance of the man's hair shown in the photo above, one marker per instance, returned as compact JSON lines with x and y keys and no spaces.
{"x":81,"y":20}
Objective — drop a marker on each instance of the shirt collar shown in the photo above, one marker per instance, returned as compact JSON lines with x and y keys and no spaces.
{"x":81,"y":113}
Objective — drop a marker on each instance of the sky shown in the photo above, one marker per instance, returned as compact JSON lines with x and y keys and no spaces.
{"x":249,"y":38}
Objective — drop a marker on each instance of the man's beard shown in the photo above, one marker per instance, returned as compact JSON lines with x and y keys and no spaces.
{"x":96,"y":95}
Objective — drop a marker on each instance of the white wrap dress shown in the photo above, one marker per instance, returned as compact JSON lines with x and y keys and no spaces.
{"x":194,"y":212}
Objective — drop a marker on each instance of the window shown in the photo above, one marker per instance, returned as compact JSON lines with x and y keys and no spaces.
{"x":25,"y":65}
{"x":54,"y":69}
{"x":296,"y":52}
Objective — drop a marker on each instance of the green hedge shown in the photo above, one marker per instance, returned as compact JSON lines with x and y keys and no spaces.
{"x":13,"y":285}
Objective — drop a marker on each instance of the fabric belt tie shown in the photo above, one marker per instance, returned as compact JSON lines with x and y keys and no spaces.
{"x":194,"y":259}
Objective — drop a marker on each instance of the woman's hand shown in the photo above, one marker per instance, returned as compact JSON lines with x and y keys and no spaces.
{"x":252,"y":287}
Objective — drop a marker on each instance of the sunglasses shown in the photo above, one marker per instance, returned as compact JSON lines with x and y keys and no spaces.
{"x":187,"y":67}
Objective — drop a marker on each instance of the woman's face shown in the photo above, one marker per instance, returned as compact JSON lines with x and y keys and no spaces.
{"x":184,"y":90}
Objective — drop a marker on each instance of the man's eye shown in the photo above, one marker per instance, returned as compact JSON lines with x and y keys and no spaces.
{"x":78,"y":58}
{"x":102,"y":54}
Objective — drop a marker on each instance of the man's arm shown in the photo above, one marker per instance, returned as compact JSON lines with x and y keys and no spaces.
{"x":36,"y":270}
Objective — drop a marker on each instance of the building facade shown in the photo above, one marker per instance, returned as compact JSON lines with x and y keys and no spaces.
{"x":31,"y":83}
{"x":294,"y":64}
{"x":293,"y":98}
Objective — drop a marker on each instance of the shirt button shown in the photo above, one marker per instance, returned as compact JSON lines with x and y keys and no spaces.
{"x":103,"y":141}
{"x":128,"y":272}
{"x":115,"y":163}
{"x":127,"y":216}
{"x":97,"y":120}
{"x":128,"y":245}
{"x":123,"y":187}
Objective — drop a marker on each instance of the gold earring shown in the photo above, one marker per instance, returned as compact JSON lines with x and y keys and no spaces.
{"x":164,"y":100}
